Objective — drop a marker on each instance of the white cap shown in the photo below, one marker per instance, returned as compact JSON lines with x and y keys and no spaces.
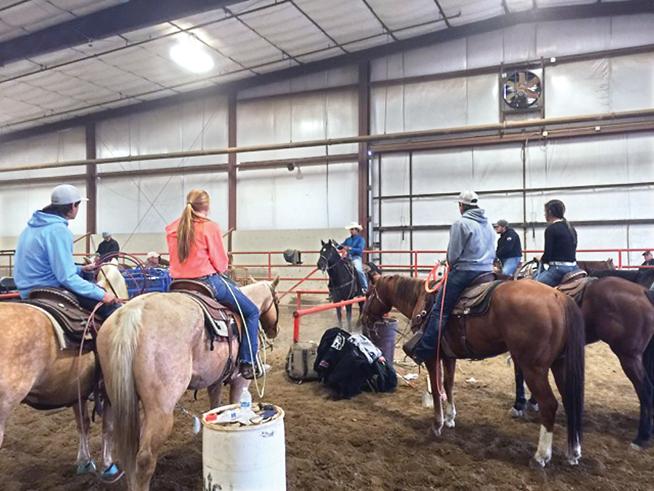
{"x":65,"y":194}
{"x":106,"y":234}
{"x":468,"y":198}
{"x":152,"y":254}
{"x":353,"y":225}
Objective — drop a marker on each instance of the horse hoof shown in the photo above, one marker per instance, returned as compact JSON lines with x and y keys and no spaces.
{"x":636,"y":446}
{"x":450,"y":423}
{"x":436,"y":430}
{"x":111,"y":474}
{"x":537,"y":463}
{"x":86,"y":468}
{"x":574,"y":460}
{"x":533,"y":407}
{"x":516,"y":413}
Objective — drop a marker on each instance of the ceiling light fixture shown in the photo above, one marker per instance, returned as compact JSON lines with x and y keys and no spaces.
{"x":191,"y":55}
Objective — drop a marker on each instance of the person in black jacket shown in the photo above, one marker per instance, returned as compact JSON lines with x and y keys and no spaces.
{"x":649,"y":260}
{"x":560,"y":245}
{"x":109,"y":245}
{"x":509,"y":248}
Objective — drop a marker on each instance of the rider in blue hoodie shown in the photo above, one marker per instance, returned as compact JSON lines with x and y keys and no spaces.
{"x":470,"y":253}
{"x":44,"y":254}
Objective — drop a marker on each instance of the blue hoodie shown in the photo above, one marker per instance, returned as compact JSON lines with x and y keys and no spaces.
{"x":44,"y":257}
{"x":356,"y":243}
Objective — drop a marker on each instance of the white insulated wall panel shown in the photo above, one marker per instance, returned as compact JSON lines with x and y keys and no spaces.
{"x":632,"y":82}
{"x":313,"y":198}
{"x":577,"y":88}
{"x":196,"y":125}
{"x":296,"y":118}
{"x":568,"y":37}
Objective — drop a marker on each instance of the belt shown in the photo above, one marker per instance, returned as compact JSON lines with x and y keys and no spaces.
{"x":563,"y":263}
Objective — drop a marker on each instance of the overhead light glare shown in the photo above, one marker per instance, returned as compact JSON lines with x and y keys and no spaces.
{"x":191,"y":55}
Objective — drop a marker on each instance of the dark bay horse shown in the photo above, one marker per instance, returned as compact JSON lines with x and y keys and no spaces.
{"x":620,"y":313}
{"x":542,"y":329}
{"x":343,"y":278}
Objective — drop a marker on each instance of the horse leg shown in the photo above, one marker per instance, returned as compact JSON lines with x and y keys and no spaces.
{"x":634,"y":369}
{"x":348,"y":315}
{"x":518,"y":409}
{"x":157,"y":426}
{"x":84,"y":462}
{"x":437,"y":425}
{"x":236,"y":387}
{"x":539,"y":386}
{"x":339,"y":316}
{"x":110,"y":471}
{"x":449,"y":369}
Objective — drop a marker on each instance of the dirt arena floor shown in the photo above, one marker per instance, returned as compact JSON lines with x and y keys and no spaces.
{"x":376,"y":441}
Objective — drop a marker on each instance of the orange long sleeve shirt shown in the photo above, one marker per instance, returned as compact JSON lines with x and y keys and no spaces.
{"x":206,"y":256}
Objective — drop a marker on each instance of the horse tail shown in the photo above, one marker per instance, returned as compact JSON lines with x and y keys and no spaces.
{"x":573,"y":399}
{"x":120,"y":385}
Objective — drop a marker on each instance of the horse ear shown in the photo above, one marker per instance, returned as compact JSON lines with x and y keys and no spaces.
{"x":274,"y":283}
{"x":322,"y":242}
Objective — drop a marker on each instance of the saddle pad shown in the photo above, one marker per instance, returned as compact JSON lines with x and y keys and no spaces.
{"x":219,"y":327}
{"x":576,"y":287}
{"x":58,"y":330}
{"x":476,"y":299}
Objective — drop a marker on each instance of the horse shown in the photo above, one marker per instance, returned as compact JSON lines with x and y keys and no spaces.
{"x":542,"y":329}
{"x":343,"y":279}
{"x":154,"y":349}
{"x":35,"y":370}
{"x":590,"y":266}
{"x":641,"y":276}
{"x":621,"y":313}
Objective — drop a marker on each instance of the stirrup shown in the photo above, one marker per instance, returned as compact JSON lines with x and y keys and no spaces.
{"x":251,"y":371}
{"x":410,"y":347}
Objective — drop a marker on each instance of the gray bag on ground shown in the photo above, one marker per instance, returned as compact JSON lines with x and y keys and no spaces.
{"x":300,"y":360}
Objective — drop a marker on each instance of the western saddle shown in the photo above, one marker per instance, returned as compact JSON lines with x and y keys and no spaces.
{"x":221,"y":322}
{"x":66,"y":310}
{"x":574,"y":285}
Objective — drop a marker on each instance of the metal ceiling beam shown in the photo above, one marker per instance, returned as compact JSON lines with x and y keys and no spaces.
{"x":111,"y":21}
{"x":631,"y":7}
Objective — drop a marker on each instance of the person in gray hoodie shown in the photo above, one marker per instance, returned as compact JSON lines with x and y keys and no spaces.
{"x":471,"y":252}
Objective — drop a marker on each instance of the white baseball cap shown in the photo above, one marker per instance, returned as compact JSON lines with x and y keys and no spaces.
{"x":468,"y":198}
{"x":65,"y":194}
{"x":152,"y":254}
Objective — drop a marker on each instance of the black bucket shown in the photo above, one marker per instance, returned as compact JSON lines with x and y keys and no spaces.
{"x":382,"y":334}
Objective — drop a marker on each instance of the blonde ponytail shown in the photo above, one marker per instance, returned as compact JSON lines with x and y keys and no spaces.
{"x":196,"y":200}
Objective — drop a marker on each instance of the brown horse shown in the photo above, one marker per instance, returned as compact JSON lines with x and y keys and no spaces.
{"x":620,"y":313}
{"x":35,"y":370}
{"x":541,"y":328}
{"x":153,"y":350}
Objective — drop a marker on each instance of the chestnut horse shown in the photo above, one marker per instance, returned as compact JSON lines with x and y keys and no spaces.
{"x":153,"y":350}
{"x":35,"y":370}
{"x":542,"y":329}
{"x":620,"y":313}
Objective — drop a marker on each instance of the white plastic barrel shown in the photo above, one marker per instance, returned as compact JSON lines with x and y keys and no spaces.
{"x":244,"y":458}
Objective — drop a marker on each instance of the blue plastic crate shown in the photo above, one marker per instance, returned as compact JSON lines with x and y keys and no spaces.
{"x":146,"y":280}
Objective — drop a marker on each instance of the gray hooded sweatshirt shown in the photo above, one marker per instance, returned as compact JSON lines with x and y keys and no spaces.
{"x":472,"y":243}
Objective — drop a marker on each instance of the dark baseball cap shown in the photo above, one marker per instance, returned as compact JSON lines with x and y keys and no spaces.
{"x":501,"y":223}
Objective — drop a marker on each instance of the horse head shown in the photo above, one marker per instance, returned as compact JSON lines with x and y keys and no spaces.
{"x":263,"y":293}
{"x":328,"y":255}
{"x":376,"y":306}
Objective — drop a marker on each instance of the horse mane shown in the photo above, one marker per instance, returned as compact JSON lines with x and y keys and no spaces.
{"x":402,"y":291}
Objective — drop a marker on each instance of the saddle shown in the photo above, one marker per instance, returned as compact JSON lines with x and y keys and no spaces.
{"x":66,"y":310}
{"x":474,"y":301}
{"x":574,"y":285}
{"x":220,"y":322}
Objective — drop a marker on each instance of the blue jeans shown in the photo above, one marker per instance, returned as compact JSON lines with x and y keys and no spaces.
{"x":554,"y":274}
{"x":250,"y":312}
{"x":509,"y":265}
{"x":357,"y":262}
{"x":89,"y":304}
{"x":457,"y":281}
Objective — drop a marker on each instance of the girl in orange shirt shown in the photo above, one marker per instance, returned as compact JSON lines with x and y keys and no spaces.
{"x":196,"y":250}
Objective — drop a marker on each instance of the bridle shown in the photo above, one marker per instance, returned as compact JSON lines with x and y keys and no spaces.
{"x":273,"y":303}
{"x":374,"y":295}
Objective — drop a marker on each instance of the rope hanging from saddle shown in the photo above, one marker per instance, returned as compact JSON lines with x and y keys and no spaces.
{"x":442,"y":283}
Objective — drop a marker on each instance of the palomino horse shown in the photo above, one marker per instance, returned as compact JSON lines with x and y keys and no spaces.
{"x":153,"y":350}
{"x":35,"y":370}
{"x":620,"y":313}
{"x":343,"y":279}
{"x":541,"y":328}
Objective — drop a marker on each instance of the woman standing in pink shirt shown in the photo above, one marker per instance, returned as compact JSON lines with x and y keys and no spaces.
{"x":197,"y":252}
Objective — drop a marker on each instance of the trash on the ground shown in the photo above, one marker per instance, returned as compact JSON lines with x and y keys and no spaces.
{"x":471,"y":380}
{"x":410,"y":376}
